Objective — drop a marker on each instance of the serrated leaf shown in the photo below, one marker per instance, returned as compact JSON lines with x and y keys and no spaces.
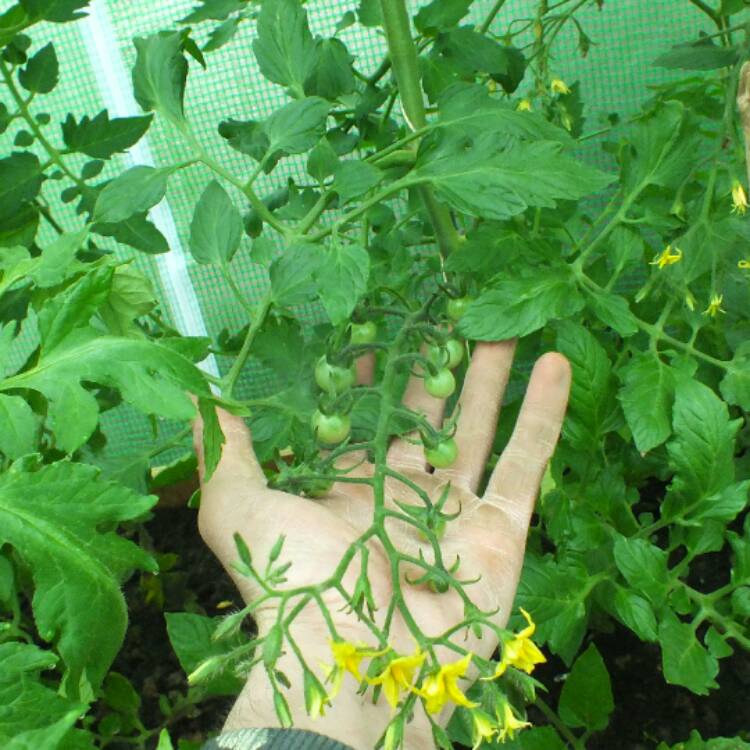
{"x":57,"y":11}
{"x":700,"y":55}
{"x":644,"y":566}
{"x":613,"y":311}
{"x":351,"y":179}
{"x":216,"y":228}
{"x":151,"y":377}
{"x":332,"y":75}
{"x":52,"y":519}
{"x":635,"y":613}
{"x":18,"y":427}
{"x":216,"y":10}
{"x":480,"y":181}
{"x":342,"y":279}
{"x":137,"y":232}
{"x":20,"y":181}
{"x":284,"y":47}
{"x":646,"y":397}
{"x":213,"y":438}
{"x":440,"y":14}
{"x":100,"y":137}
{"x":735,"y":386}
{"x":520,"y":305}
{"x":293,"y":273}
{"x":592,"y":410}
{"x":160,"y":73}
{"x":586,"y":699}
{"x":134,"y":191}
{"x":222,"y":34}
{"x":702,"y":450}
{"x":684,"y":659}
{"x":298,"y":126}
{"x":190,"y":636}
{"x":41,"y":73}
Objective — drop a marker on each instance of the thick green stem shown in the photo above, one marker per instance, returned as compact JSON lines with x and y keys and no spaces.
{"x":403,"y":55}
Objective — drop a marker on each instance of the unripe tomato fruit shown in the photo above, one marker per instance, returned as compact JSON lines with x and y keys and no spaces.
{"x":457,"y":307}
{"x":449,"y":355}
{"x":364,"y":333}
{"x":440,"y":385}
{"x":332,"y":377}
{"x":443,"y":454}
{"x":318,"y":488}
{"x":331,"y":428}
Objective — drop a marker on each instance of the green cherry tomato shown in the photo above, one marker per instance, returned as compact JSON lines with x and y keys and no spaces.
{"x":449,"y":355}
{"x":331,"y":428}
{"x":457,"y":307}
{"x":443,"y":454}
{"x":318,"y":487}
{"x":440,"y":385}
{"x":364,"y":333}
{"x":332,"y":377}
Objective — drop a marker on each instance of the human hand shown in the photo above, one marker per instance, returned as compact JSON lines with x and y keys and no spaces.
{"x":489,"y":535}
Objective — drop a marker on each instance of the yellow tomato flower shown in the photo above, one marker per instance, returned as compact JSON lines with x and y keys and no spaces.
{"x":744,"y":265}
{"x":510,"y":723}
{"x":483,"y":727}
{"x":520,"y":652}
{"x":714,"y":306}
{"x":524,"y":106}
{"x":739,"y":198}
{"x":347,"y":657}
{"x":667,"y":257}
{"x":398,"y":676}
{"x":558,"y":86}
{"x":441,"y":687}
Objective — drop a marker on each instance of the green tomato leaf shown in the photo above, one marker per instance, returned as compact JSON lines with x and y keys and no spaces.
{"x":284,"y":47}
{"x":586,"y":699}
{"x":593,"y":409}
{"x":297,"y":126}
{"x":342,"y":279}
{"x":57,"y":11}
{"x":332,"y":75}
{"x":440,"y":15}
{"x":646,"y":396}
{"x":613,"y":311}
{"x":216,"y":228}
{"x":216,"y":10}
{"x":137,"y":232}
{"x":293,"y":273}
{"x":222,"y":34}
{"x":351,"y":179}
{"x":32,"y":715}
{"x":684,"y":659}
{"x":702,"y":454}
{"x":101,"y":137}
{"x":635,"y":613}
{"x":191,"y":638}
{"x":134,"y":191}
{"x":20,"y":181}
{"x":480,"y":181}
{"x":160,"y":73}
{"x":52,"y":519}
{"x":41,"y":73}
{"x":19,"y":427}
{"x":703,"y":54}
{"x":735,"y":386}
{"x":246,"y":136}
{"x":644,"y":566}
{"x":213,"y":437}
{"x":520,"y":305}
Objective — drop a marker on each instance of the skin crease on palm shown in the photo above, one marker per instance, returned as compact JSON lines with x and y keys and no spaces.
{"x":489,"y":535}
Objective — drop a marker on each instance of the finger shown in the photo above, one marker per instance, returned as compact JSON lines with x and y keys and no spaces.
{"x":514,"y":483}
{"x":481,"y":397}
{"x":238,"y":462}
{"x":403,"y":454}
{"x":365,"y":366}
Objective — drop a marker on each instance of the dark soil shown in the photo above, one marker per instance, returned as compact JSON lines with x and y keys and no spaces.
{"x":648,"y":710}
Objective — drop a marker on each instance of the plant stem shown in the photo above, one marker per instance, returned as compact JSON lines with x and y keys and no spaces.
{"x":554,"y":719}
{"x":403,"y":55}
{"x":494,"y":10}
{"x":232,"y":376}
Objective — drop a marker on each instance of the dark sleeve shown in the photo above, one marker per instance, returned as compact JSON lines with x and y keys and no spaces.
{"x":273,"y":739}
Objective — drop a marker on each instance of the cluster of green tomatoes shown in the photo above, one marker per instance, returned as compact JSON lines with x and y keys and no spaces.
{"x":332,"y":425}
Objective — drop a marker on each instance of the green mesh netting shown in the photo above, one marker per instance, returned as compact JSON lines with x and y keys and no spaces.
{"x":96,"y":55}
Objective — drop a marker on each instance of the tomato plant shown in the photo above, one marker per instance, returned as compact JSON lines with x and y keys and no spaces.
{"x":459,"y":183}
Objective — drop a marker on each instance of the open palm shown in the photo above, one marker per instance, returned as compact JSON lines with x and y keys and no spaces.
{"x":488,"y":537}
